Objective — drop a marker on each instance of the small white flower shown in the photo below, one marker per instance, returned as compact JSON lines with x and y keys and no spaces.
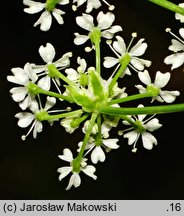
{"x":104,"y":25}
{"x":78,"y":76}
{"x":177,"y":58}
{"x":27,"y":118}
{"x":148,"y":139}
{"x":45,"y":19}
{"x":97,"y":151}
{"x":75,"y":179}
{"x":48,"y":53}
{"x":91,"y":4}
{"x":161,"y":81}
{"x":120,"y":49}
{"x":22,"y":77}
{"x":179,"y":16}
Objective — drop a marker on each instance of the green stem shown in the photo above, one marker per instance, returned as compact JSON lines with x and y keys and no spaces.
{"x":47,"y":117}
{"x":130,"y":98}
{"x":87,"y":136}
{"x":54,"y":72}
{"x":142,"y":110}
{"x":98,"y":57}
{"x":124,"y":62}
{"x":129,"y":120}
{"x":169,"y":5}
{"x":99,"y":134}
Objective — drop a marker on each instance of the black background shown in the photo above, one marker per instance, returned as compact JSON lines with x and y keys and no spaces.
{"x":28,"y":169}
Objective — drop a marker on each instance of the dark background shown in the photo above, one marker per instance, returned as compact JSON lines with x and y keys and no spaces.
{"x":28,"y":169}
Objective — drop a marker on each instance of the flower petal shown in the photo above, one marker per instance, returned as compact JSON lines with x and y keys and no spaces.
{"x":169,"y":96}
{"x":176,"y":60}
{"x":148,"y":140}
{"x":34,"y":7}
{"x":153,"y":125}
{"x":44,"y":21}
{"x":64,"y":172}
{"x":139,"y":49}
{"x":45,"y":83}
{"x":51,"y":101}
{"x":144,"y":77}
{"x":97,"y":155}
{"x":80,"y":39}
{"x":89,"y":170}
{"x":132,"y":136}
{"x":25,"y":119}
{"x":75,"y":180}
{"x":105,"y":20}
{"x":111,"y":143}
{"x":110,"y":62}
{"x":162,"y":79}
{"x":47,"y":53}
{"x":67,"y":155}
{"x":57,"y":14}
{"x":85,"y":21}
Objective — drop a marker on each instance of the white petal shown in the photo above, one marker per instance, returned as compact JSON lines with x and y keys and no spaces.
{"x":148,"y":140}
{"x":119,"y":45}
{"x":179,"y":16}
{"x":37,"y":129}
{"x":144,"y":77}
{"x":139,"y":49}
{"x":141,"y":89}
{"x":18,"y":93}
{"x":85,"y":21}
{"x":72,"y":74}
{"x":140,"y":64}
{"x":26,"y":102}
{"x":176,"y":46}
{"x":109,"y":33}
{"x":34,"y":7}
{"x":64,"y":61}
{"x":75,"y":180}
{"x":153,"y":124}
{"x":57,"y":14}
{"x":162,"y":79}
{"x":67,"y":155}
{"x":132,"y":136}
{"x":110,"y":62}
{"x":92,"y":4}
{"x":63,"y":2}
{"x":25,"y":119}
{"x":97,"y":155}
{"x":105,"y":20}
{"x":181,"y":31}
{"x":47,"y":53}
{"x":80,"y":39}
{"x":169,"y":96}
{"x":45,"y":83}
{"x":44,"y":21}
{"x":89,"y":170}
{"x":111,"y":143}
{"x":64,"y":171}
{"x":20,"y":76}
{"x":176,"y":60}
{"x":51,"y":101}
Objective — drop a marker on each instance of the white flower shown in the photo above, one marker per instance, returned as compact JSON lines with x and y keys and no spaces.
{"x":120,"y":49}
{"x":48,"y":53}
{"x":78,"y":76}
{"x":97,"y":150}
{"x":27,"y":118}
{"x":45,"y":19}
{"x":91,"y":4}
{"x":161,"y":81}
{"x":177,"y":46}
{"x":105,"y":22}
{"x":22,"y":77}
{"x":148,"y":139}
{"x":179,"y":16}
{"x":75,"y":179}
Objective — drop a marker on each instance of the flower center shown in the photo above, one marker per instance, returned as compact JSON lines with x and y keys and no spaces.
{"x":95,"y":35}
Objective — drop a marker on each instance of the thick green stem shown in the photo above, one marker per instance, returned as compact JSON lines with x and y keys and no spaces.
{"x":169,"y":5}
{"x":130,"y":98}
{"x":142,"y":110}
{"x":124,"y":62}
{"x":47,"y":117}
{"x":87,"y":136}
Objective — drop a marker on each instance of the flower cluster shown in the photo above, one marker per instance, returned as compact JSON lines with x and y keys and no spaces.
{"x":98,"y":103}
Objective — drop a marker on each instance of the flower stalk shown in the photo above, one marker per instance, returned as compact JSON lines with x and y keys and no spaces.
{"x":169,"y":5}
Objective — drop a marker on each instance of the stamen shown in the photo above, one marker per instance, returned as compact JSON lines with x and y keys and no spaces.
{"x":134,"y":150}
{"x":89,"y":49}
{"x":23,"y":137}
{"x":114,"y":51}
{"x":134,"y":35}
{"x":74,"y":7}
{"x":114,"y":72}
{"x":111,"y":7}
{"x":63,"y":110}
{"x":175,"y":36}
{"x":56,"y":85}
{"x":40,"y":103}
